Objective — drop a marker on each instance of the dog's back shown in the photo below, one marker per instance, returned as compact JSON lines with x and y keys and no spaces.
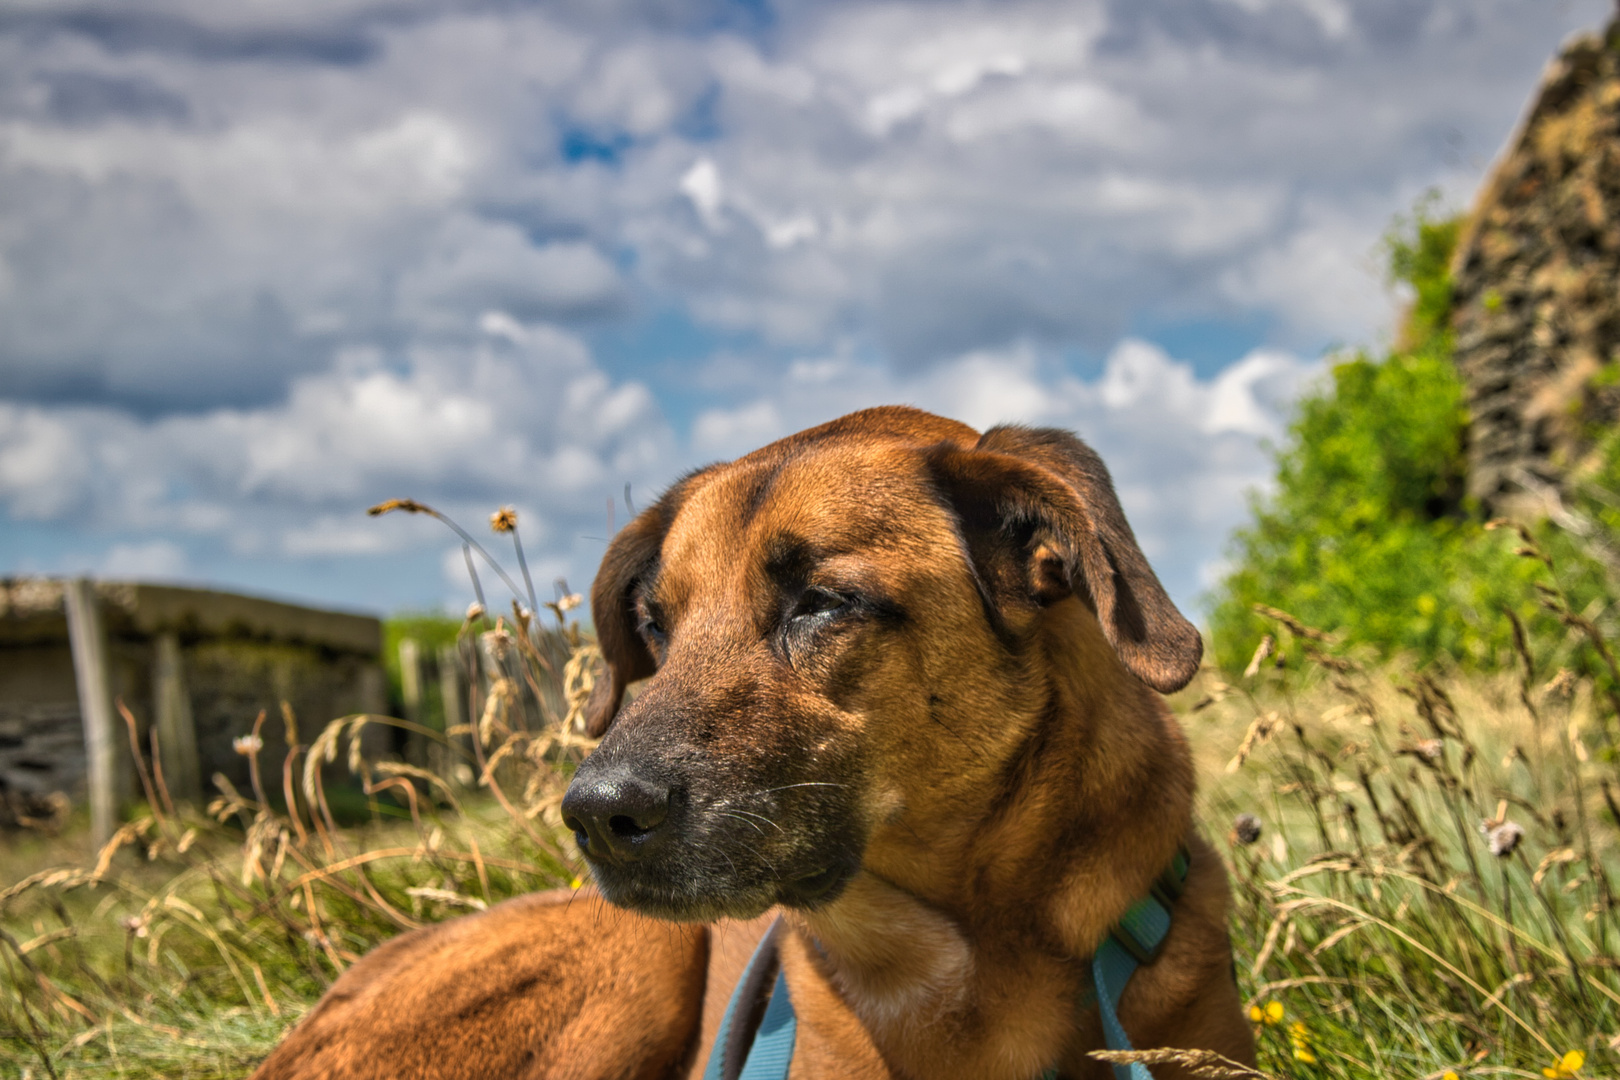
{"x":541,"y":987}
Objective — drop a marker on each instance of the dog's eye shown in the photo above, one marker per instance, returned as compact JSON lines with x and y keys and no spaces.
{"x":651,"y":623}
{"x":821,"y":602}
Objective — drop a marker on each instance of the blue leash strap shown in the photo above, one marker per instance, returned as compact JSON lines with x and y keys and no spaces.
{"x":762,"y":1054}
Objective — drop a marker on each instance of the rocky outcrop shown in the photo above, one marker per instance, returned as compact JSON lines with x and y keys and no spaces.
{"x":1536,"y":286}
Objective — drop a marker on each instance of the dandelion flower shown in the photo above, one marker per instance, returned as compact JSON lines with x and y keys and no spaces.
{"x":247,"y":745}
{"x":1450,"y":1074}
{"x":503,"y":520}
{"x":1245,"y":829}
{"x":1566,"y":1066}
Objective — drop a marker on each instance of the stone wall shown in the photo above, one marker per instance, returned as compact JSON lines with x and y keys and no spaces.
{"x":1537,"y":286}
{"x":212,"y":660}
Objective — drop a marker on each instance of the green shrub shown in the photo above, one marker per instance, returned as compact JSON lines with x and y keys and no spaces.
{"x":1367,"y":530}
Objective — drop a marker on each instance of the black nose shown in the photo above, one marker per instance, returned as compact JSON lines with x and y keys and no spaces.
{"x":615,"y":816}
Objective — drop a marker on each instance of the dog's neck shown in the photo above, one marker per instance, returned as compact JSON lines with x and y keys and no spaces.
{"x":966,"y":952}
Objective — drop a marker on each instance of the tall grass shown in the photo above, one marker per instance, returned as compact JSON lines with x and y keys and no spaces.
{"x":191,"y":941}
{"x":1423,"y":861}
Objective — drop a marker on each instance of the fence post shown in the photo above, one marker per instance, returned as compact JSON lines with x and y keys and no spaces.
{"x":177,"y":731}
{"x":453,"y":694}
{"x":103,"y":730}
{"x":410,"y":684}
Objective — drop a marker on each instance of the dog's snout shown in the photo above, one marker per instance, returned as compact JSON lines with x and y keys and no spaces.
{"x":615,"y":816}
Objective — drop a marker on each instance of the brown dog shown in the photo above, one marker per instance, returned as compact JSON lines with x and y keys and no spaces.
{"x":902,"y":691}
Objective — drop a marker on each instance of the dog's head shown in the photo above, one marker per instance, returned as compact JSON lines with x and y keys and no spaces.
{"x":839,"y":630}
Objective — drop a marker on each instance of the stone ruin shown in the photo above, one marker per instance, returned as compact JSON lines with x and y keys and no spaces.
{"x":195,"y":666}
{"x":1536,"y":300}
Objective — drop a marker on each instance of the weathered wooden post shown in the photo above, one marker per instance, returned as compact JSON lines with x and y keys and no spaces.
{"x":177,"y":732}
{"x":410,"y":683}
{"x":453,"y":693}
{"x":104,"y":734}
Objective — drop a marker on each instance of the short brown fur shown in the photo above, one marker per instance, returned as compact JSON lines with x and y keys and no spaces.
{"x":969,"y":747}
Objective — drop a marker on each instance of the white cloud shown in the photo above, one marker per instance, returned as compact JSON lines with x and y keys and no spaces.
{"x":42,"y":462}
{"x":701,"y":184}
{"x":153,"y":560}
{"x":1183,"y":450}
{"x":734,"y":432}
{"x":283,"y":260}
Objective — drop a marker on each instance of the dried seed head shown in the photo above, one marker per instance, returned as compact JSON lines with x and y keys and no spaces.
{"x":570,"y":602}
{"x":1562,"y":685}
{"x":1261,"y":651}
{"x":475,"y":611}
{"x":410,"y":506}
{"x":247,"y":744}
{"x":498,"y":642}
{"x":503,"y":520}
{"x":1429,"y":749}
{"x":1503,"y":837}
{"x":1245,"y":829}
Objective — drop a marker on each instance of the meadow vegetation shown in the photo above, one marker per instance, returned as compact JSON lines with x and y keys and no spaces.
{"x":1367,"y":529}
{"x":1407,"y":737}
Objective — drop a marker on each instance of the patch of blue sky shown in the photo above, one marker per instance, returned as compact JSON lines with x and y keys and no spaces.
{"x":1208,"y":344}
{"x":581,"y":144}
{"x":669,"y":351}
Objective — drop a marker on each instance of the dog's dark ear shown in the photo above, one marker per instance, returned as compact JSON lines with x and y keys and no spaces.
{"x":1042,"y":522}
{"x":632,"y":554}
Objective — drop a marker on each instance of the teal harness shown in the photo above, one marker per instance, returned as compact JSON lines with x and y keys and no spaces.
{"x":753,"y":1047}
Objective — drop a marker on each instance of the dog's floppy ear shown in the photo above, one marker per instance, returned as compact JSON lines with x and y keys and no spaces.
{"x":632,"y":554}
{"x":1042,"y":522}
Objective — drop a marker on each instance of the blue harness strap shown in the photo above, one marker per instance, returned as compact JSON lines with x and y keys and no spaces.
{"x":1135,"y":940}
{"x":764,"y":1057}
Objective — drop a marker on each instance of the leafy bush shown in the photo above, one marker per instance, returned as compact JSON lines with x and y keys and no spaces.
{"x":1367,"y":530}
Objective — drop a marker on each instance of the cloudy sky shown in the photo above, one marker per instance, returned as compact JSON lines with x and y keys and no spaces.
{"x":264,"y":263}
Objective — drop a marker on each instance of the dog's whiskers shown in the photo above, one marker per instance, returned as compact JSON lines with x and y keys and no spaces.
{"x":763,"y":818}
{"x":785,"y":787}
{"x":745,"y":821}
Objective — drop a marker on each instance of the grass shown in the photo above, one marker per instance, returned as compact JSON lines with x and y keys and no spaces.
{"x":1431,"y":890}
{"x":1379,"y":929}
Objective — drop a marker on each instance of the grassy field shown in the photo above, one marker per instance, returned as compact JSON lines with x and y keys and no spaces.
{"x":1423,"y":867}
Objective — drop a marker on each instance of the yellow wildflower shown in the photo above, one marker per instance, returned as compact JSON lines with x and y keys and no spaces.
{"x":1566,"y":1066}
{"x":1298,"y":1034}
{"x":575,"y":883}
{"x":1270,"y":1013}
{"x":1450,"y":1074}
